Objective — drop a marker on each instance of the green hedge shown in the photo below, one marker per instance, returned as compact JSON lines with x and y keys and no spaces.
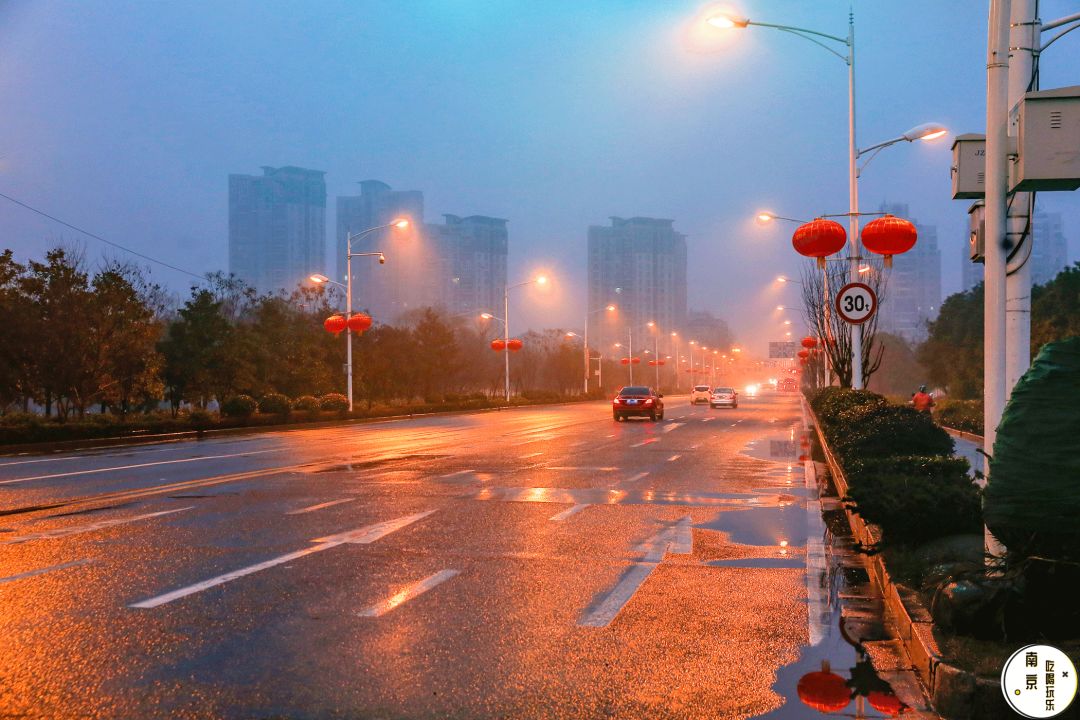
{"x":966,"y":415}
{"x":901,"y":473}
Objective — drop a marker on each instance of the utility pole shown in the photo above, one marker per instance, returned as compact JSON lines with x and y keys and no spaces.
{"x":1024,"y":42}
{"x":997,"y":148}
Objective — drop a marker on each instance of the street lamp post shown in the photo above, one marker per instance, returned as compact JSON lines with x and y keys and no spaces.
{"x":400,"y":224}
{"x":675,"y":337}
{"x":731,"y":21}
{"x":588,"y":361}
{"x":539,"y":280}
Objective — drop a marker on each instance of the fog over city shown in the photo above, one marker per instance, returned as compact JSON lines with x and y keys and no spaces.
{"x":126,"y":119}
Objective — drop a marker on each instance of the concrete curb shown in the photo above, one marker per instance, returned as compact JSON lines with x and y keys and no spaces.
{"x":963,"y":434}
{"x":956,"y":694}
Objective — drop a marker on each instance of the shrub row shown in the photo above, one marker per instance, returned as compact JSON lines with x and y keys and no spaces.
{"x":901,"y":473}
{"x":966,"y":415}
{"x":237,"y":411}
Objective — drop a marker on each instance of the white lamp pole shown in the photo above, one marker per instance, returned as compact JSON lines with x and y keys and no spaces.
{"x":400,"y":224}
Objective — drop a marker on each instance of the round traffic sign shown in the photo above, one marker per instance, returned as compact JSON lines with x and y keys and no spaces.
{"x":856,"y":303}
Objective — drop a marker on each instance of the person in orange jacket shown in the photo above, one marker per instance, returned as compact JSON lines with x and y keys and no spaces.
{"x":922,"y":400}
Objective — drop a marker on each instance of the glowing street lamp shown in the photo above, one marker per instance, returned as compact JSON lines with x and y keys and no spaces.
{"x":920,"y":132}
{"x":319,"y":279}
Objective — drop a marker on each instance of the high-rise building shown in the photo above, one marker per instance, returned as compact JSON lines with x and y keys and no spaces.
{"x":913,"y":290}
{"x":639,"y":264}
{"x":1049,"y":252}
{"x":405,"y":281}
{"x":277,"y":227}
{"x":473,"y":252}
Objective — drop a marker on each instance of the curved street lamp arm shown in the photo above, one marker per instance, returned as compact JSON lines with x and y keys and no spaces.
{"x":804,"y":36}
{"x":805,"y":31}
{"x":1060,"y":35}
{"x":1059,"y":22}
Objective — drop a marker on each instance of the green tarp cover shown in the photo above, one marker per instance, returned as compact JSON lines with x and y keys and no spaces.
{"x":1033,"y":495}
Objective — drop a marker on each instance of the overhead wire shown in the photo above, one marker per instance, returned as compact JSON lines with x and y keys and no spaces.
{"x":97,"y":237}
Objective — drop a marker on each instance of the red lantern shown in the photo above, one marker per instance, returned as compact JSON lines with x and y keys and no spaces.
{"x":514,"y":344}
{"x":625,"y":361}
{"x":809,"y":342}
{"x":661,"y":362}
{"x":635,"y":361}
{"x":888,"y":236}
{"x":886,"y":703}
{"x":652,"y":363}
{"x":498,"y":344}
{"x":803,"y":354}
{"x":819,"y":238}
{"x":359,"y":322}
{"x":335,"y":324}
{"x":823,"y":690}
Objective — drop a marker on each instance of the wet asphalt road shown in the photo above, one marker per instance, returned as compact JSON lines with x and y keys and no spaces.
{"x":540,"y":562}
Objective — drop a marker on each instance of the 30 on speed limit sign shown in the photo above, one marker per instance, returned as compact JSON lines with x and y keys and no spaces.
{"x":856,"y":303}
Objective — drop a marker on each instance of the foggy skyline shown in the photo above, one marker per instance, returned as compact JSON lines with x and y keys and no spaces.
{"x":126,"y":119}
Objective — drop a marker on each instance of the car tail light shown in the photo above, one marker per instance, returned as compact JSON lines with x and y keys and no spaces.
{"x":649,"y":401}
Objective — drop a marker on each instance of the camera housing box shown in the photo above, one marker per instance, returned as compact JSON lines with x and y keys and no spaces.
{"x":969,"y":167}
{"x":977,"y":232}
{"x":1047,"y":124}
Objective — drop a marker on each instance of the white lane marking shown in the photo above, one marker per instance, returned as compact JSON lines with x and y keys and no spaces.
{"x":578,"y":467}
{"x":320,"y":506}
{"x":695,"y":447}
{"x":529,"y":455}
{"x":80,"y":529}
{"x":139,"y":465}
{"x":708,"y":419}
{"x":676,"y":539}
{"x":645,"y":442}
{"x":637,"y":477}
{"x":42,"y":571}
{"x":734,"y":424}
{"x":682,"y":537}
{"x":611,"y":436}
{"x":408,"y":593}
{"x":454,"y":474}
{"x":672,"y":426}
{"x":673,"y":458}
{"x":529,"y":442}
{"x":615,"y":600}
{"x":569,"y":511}
{"x":360,"y":536}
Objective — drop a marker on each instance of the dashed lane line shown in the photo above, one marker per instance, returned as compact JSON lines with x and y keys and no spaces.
{"x":138,"y":465}
{"x":360,"y":536}
{"x":668,"y":428}
{"x":648,"y":441}
{"x":454,"y":474}
{"x":673,"y":458}
{"x":99,"y":525}
{"x":320,"y":506}
{"x":407,"y":593}
{"x":529,"y":455}
{"x":42,"y":571}
{"x":573,"y":510}
{"x":676,"y":539}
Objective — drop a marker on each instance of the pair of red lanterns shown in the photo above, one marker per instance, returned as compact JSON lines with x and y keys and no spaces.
{"x":358,"y":323}
{"x":887,"y":235}
{"x":655,"y":363}
{"x":631,"y":361}
{"x":513,"y":344}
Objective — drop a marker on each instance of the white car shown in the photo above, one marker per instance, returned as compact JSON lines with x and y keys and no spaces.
{"x":700,"y":393}
{"x":724,"y":396}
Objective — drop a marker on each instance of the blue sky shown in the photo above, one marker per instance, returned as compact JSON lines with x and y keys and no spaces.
{"x":127,"y":117}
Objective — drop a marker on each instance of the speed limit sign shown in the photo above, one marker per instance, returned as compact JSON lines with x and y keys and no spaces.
{"x":856,"y":303}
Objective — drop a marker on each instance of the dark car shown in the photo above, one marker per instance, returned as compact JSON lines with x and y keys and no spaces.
{"x":638,"y":401}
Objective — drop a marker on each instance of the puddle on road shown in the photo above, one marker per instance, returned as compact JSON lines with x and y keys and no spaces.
{"x":759,"y":562}
{"x":767,"y":526}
